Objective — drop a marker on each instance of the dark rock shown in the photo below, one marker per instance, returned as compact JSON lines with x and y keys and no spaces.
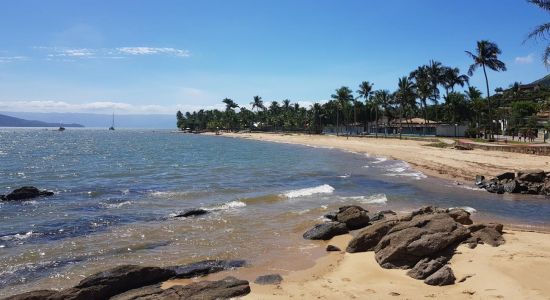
{"x":443,"y":276}
{"x":3,"y":198}
{"x":331,"y":216}
{"x":427,"y":266}
{"x":381,"y":215}
{"x":506,"y":175}
{"x":205,"y":267}
{"x":25,"y":193}
{"x":332,"y":248}
{"x":480,"y":181}
{"x":326,"y":231}
{"x":115,"y":281}
{"x":512,"y":187}
{"x":425,"y":235}
{"x":229,"y":287}
{"x":422,"y":211}
{"x":192,"y":212}
{"x":139,"y":293}
{"x":354,"y":217}
{"x":34,"y":295}
{"x":490,"y":234}
{"x":461,"y":216}
{"x":369,"y":237}
{"x":497,"y":226}
{"x":495,"y":188}
{"x":269,"y":279}
{"x":532,"y":175}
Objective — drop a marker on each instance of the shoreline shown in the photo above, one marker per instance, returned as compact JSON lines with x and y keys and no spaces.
{"x":450,"y":164}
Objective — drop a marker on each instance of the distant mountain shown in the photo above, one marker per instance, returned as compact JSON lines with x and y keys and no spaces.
{"x":543,"y":82}
{"x":7,"y":121}
{"x":156,"y":121}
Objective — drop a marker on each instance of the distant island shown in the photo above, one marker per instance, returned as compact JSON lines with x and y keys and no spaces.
{"x":7,"y":121}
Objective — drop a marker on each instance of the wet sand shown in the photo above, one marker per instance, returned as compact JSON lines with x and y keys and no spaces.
{"x":446,"y":163}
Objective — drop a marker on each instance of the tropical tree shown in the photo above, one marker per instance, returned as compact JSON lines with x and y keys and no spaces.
{"x":435,"y":75}
{"x":452,"y":78}
{"x":342,"y":96}
{"x":486,"y":56}
{"x":421,"y":77}
{"x":542,"y":31}
{"x":404,"y":97}
{"x":365,"y":92}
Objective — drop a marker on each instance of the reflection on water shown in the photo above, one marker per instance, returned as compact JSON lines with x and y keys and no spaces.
{"x":117,"y":194}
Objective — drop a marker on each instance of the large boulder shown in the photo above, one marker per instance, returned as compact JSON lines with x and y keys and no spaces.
{"x":205,"y":267}
{"x":26,"y":193}
{"x":104,"y":285}
{"x":425,"y":235}
{"x":461,"y":216}
{"x":226,"y":288}
{"x":326,"y":231}
{"x":490,"y":234}
{"x":427,"y":266}
{"x":531,"y":175}
{"x":443,"y":276}
{"x":355,"y":217}
{"x":369,"y":237}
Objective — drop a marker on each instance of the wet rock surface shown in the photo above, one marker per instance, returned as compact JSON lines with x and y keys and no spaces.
{"x":206,"y":267}
{"x":326,"y":231}
{"x":534,"y":182}
{"x":192,"y":213}
{"x":25,"y":193}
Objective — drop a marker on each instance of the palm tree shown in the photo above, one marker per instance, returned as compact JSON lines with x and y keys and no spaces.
{"x":542,"y":31}
{"x":257,"y":103}
{"x":230,"y":105}
{"x":421,"y":76}
{"x":365,"y":92}
{"x":403,"y":96}
{"x":343,"y":96}
{"x":435,"y":73}
{"x":383,"y":98}
{"x":452,"y":78}
{"x":486,"y":56}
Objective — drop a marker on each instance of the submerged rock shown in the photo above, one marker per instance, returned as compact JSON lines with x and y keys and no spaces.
{"x":326,"y":231}
{"x":25,"y":193}
{"x":192,"y":212}
{"x":206,"y":267}
{"x":269,"y":279}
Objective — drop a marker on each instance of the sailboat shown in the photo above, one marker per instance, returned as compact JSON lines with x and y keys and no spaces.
{"x":113,"y":124}
{"x":61,"y":128}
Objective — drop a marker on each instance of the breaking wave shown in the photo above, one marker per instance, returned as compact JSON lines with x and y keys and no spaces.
{"x":322,"y":189}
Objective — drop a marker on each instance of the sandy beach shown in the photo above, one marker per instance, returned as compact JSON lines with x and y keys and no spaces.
{"x":451,"y":164}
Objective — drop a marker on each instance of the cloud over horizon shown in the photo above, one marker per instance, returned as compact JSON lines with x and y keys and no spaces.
{"x":525,"y":60}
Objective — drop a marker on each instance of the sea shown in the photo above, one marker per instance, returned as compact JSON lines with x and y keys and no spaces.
{"x":117,"y":195}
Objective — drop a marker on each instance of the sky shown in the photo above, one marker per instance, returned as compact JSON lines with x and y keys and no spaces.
{"x":151,"y":57}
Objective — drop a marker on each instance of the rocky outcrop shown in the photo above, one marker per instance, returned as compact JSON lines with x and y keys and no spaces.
{"x":535,"y":182}
{"x":205,"y":267}
{"x":381,"y":215}
{"x":25,"y":193}
{"x":137,"y":282}
{"x":332,"y":248}
{"x":424,"y":241}
{"x":269,"y":279}
{"x":227,"y":288}
{"x":326,"y":231}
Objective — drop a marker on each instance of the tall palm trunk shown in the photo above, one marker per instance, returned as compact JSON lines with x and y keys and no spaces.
{"x":376,"y":112}
{"x":488,"y":103}
{"x":337,"y":121}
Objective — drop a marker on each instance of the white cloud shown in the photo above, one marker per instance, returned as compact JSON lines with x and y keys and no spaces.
{"x":8,"y":59}
{"x":153,"y":50}
{"x":525,"y":60}
{"x":98,"y":107}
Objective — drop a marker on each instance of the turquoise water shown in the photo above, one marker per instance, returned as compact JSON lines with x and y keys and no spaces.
{"x":116,"y":194}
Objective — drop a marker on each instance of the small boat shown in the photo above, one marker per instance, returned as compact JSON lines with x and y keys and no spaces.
{"x":61,"y":128}
{"x":113,"y":123}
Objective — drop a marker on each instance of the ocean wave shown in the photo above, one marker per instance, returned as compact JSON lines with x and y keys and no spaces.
{"x":115,"y":205}
{"x":344,"y":176}
{"x":379,"y":160}
{"x":226,"y":206}
{"x":17,"y":236}
{"x":322,"y":189}
{"x":172,"y":194}
{"x":372,"y":199}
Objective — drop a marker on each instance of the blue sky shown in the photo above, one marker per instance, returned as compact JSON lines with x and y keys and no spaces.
{"x":159,"y":56}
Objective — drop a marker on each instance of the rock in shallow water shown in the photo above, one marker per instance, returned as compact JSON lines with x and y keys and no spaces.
{"x":326,"y":231}
{"x":269,"y":279}
{"x":25,"y":193}
{"x":355,"y":217}
{"x":206,"y":267}
{"x":192,"y":212}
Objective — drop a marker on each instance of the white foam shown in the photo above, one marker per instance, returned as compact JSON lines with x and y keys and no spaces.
{"x":466,"y":208}
{"x":379,"y":160}
{"x":322,"y":189}
{"x":159,"y":194}
{"x":115,"y":205}
{"x":228,"y":205}
{"x":17,"y":236}
{"x":344,"y":176}
{"x":372,"y":199}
